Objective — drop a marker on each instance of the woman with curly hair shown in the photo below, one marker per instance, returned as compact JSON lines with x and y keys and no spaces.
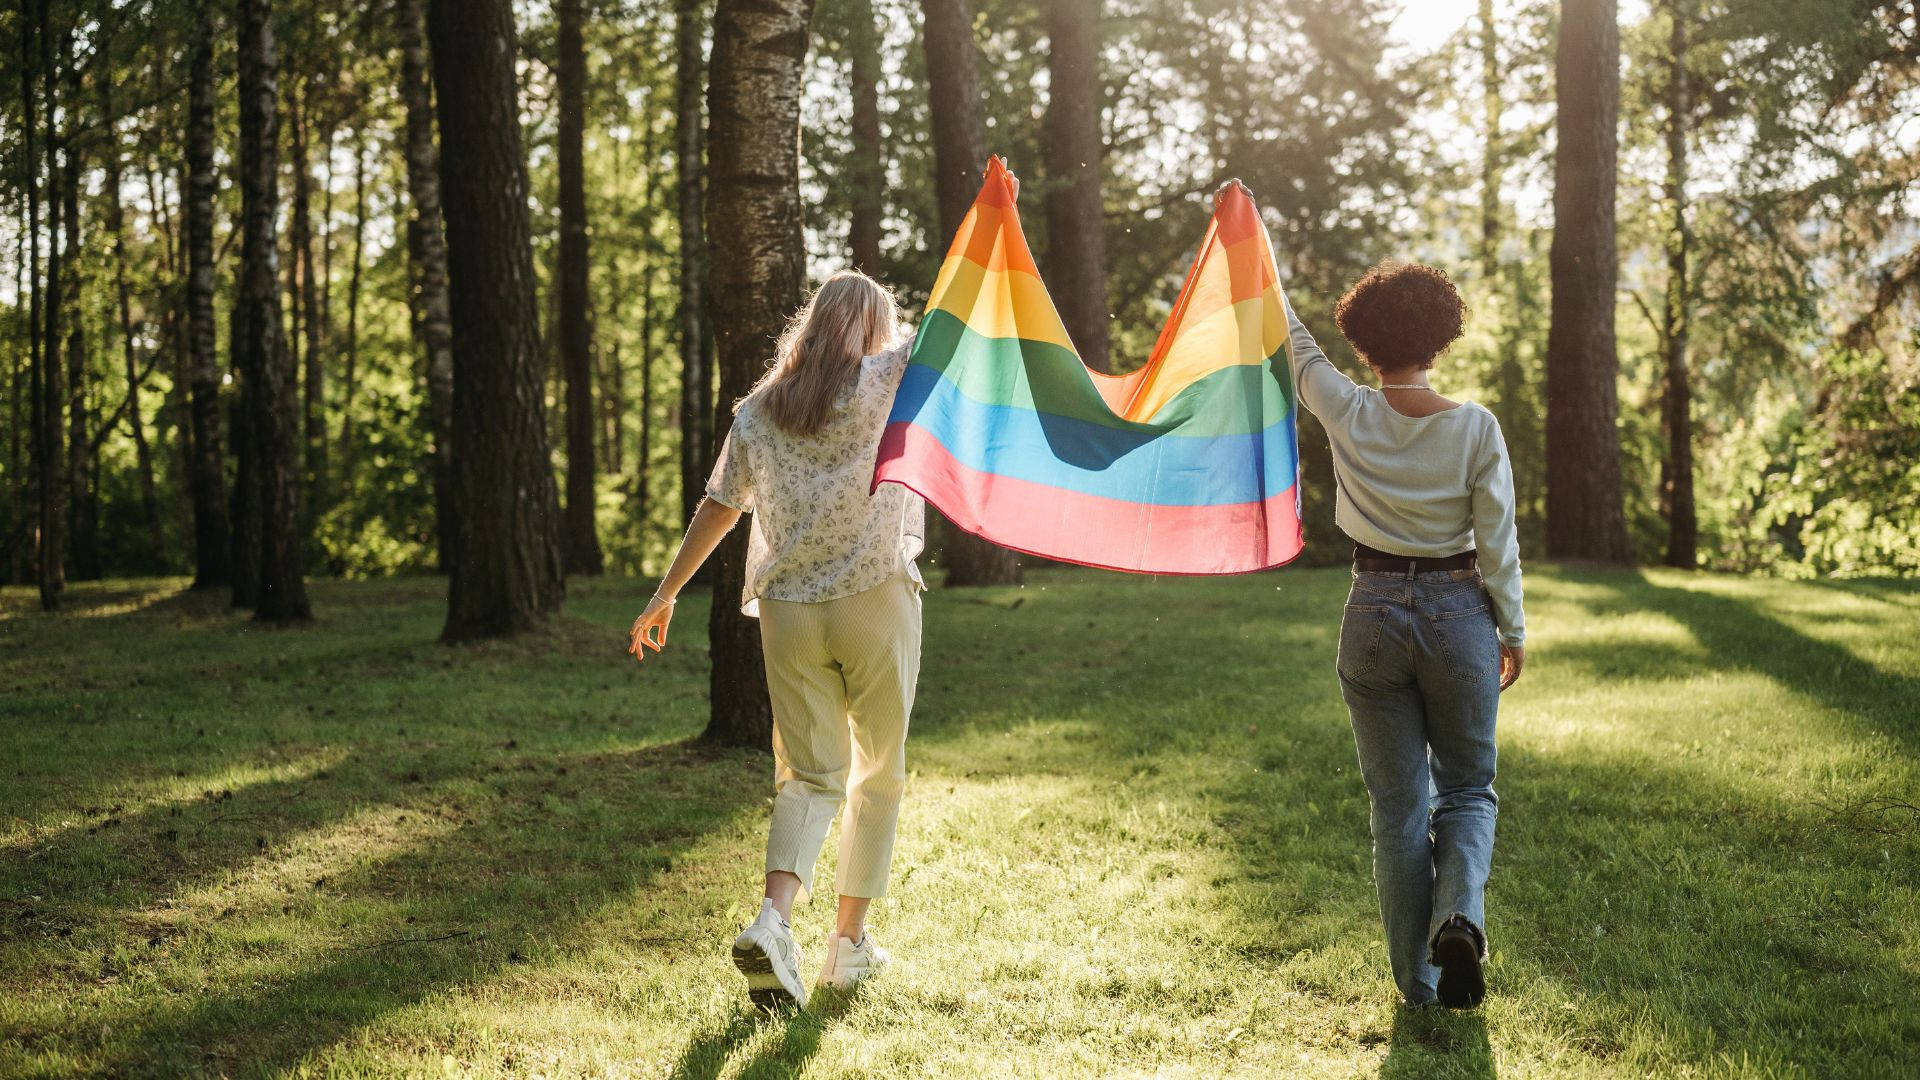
{"x":1433,"y":627}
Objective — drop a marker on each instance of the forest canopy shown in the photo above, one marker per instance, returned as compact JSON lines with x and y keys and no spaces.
{"x":211,"y":239}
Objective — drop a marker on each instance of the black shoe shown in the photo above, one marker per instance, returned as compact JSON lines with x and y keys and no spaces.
{"x":1456,"y":951}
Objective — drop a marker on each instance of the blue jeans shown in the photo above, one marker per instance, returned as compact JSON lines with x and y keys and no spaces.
{"x":1420,"y":670}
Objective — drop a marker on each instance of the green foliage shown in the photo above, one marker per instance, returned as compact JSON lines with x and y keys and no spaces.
{"x":1356,"y":150}
{"x":1842,"y":496}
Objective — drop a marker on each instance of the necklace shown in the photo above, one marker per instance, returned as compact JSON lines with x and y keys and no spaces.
{"x":1404,"y":386}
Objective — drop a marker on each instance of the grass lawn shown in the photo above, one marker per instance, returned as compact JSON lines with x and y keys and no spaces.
{"x":1135,"y":842}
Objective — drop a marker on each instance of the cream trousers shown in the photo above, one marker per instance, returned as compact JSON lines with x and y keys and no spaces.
{"x":841,"y":674}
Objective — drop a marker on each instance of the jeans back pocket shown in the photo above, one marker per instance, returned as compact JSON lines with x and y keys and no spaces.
{"x":1360,"y":632}
{"x":1469,"y":644}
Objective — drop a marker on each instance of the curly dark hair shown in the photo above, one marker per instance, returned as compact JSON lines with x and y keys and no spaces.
{"x":1401,"y":316}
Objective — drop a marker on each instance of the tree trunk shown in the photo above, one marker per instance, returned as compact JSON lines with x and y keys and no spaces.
{"x":1585,"y":516}
{"x":52,"y":397}
{"x":1490,"y":157}
{"x":13,"y":568}
{"x":613,"y":373}
{"x":866,"y":177}
{"x":350,"y":368}
{"x":43,"y":314}
{"x":136,"y":425}
{"x":696,"y":378}
{"x":759,"y":278}
{"x":84,"y":500}
{"x":244,"y":508}
{"x":282,"y":593}
{"x":1076,"y":222}
{"x":427,"y":251}
{"x":643,"y":458}
{"x":576,"y":339}
{"x":212,"y":542}
{"x":304,"y":294}
{"x":959,"y":150}
{"x":1510,"y":380}
{"x":1676,"y":479}
{"x":507,"y":573}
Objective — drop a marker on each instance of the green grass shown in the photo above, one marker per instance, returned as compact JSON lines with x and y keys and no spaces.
{"x":1135,"y":842}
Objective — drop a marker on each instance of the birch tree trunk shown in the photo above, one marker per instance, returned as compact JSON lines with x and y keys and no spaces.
{"x":759,"y":278}
{"x":427,"y":252}
{"x":271,"y":430}
{"x":212,"y":541}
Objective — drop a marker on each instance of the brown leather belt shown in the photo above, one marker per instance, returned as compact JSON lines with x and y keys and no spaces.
{"x":1374,"y":561}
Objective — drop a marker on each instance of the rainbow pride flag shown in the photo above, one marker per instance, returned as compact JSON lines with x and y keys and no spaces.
{"x":1189,"y":465}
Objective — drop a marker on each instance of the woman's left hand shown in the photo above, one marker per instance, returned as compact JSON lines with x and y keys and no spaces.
{"x":658,"y":615}
{"x":1511,"y":659}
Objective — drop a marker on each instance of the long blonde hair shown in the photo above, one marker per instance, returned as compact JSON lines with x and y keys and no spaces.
{"x":847,"y":318}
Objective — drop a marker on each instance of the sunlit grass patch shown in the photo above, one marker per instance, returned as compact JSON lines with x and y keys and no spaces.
{"x":1134,"y":842}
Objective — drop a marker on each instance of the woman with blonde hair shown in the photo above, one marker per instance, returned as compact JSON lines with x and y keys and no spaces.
{"x":831,"y":576}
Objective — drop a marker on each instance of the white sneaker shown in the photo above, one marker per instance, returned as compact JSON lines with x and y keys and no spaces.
{"x":850,"y":961}
{"x":766,"y":954}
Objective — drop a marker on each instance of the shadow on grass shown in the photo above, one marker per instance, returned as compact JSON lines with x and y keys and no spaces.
{"x":1434,"y":1044}
{"x":454,"y":909}
{"x":706,"y":1054}
{"x":1737,"y":635}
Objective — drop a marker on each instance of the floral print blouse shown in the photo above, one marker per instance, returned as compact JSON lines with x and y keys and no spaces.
{"x":817,"y":534}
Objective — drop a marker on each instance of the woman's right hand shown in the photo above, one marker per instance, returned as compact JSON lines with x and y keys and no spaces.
{"x":658,"y":615}
{"x":1511,"y":658}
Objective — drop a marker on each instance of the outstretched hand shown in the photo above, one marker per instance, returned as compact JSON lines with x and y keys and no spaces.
{"x":658,"y":615}
{"x":1511,"y":658}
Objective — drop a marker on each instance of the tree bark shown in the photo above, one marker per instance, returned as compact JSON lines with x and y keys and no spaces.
{"x":52,"y":397}
{"x":13,"y":568}
{"x":1076,"y":221}
{"x":427,"y":252}
{"x":1676,"y":469}
{"x":83,"y":500}
{"x":759,"y":278}
{"x":576,"y":337}
{"x":350,"y":366}
{"x":959,"y":150}
{"x":1585,"y":516}
{"x":212,"y":541}
{"x":304,"y":293}
{"x":867,"y":177}
{"x":244,"y":506}
{"x":1511,"y":402}
{"x":43,"y":313}
{"x":136,"y":424}
{"x":282,"y":595}
{"x":507,"y":569}
{"x":643,"y":458}
{"x":1491,"y":107}
{"x":696,"y":367}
